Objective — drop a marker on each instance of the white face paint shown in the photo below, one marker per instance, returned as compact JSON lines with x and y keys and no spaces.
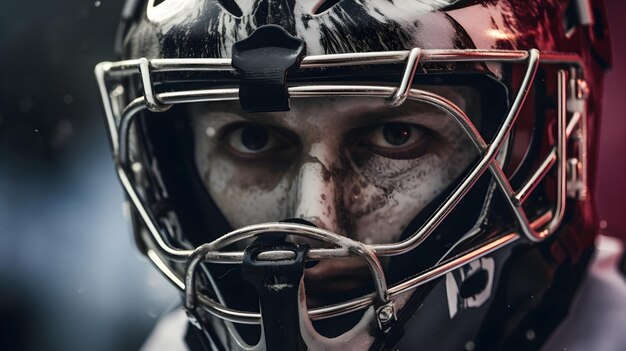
{"x":353,"y":166}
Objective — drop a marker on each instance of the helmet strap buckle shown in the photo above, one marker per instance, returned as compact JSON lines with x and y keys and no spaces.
{"x":275,"y":268}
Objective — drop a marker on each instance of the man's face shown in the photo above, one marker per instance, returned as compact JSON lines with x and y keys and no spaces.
{"x":353,"y":166}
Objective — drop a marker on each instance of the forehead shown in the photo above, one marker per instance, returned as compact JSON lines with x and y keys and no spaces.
{"x":337,"y":111}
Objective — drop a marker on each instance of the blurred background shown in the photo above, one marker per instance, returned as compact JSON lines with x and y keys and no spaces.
{"x":70,"y":277}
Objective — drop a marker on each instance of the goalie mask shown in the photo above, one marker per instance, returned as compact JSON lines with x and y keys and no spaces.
{"x":361,"y":174}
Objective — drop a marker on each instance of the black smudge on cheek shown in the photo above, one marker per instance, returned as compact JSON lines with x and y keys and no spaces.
{"x":360,"y":157}
{"x":349,"y":195}
{"x":338,"y":173}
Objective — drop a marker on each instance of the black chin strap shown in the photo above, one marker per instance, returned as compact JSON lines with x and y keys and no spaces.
{"x":277,"y":281}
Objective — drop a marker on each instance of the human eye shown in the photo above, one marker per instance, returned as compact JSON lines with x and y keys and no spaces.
{"x":397,"y":140}
{"x":254,"y":140}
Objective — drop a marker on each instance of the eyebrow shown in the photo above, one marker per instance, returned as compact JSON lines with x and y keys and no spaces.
{"x":357,"y":116}
{"x":229,"y":107}
{"x":270,"y":118}
{"x":385,"y":113}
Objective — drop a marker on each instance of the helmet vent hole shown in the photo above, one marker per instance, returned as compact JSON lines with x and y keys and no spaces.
{"x":323,"y":6}
{"x":232,"y":7}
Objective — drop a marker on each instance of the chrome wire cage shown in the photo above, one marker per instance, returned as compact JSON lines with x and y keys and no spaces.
{"x":571,"y":118}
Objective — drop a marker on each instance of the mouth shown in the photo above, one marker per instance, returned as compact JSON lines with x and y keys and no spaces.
{"x":337,"y":280}
{"x":332,"y":281}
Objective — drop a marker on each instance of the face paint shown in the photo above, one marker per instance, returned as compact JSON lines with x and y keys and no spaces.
{"x":353,"y":166}
{"x":328,"y":163}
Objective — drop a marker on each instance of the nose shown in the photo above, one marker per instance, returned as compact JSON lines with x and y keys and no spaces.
{"x":315,"y":190}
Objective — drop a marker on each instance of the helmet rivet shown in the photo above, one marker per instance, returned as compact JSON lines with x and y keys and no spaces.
{"x":386,"y":314}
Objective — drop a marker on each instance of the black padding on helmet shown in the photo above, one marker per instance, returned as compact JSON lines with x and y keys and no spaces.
{"x":170,"y":142}
{"x":263,"y":60}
